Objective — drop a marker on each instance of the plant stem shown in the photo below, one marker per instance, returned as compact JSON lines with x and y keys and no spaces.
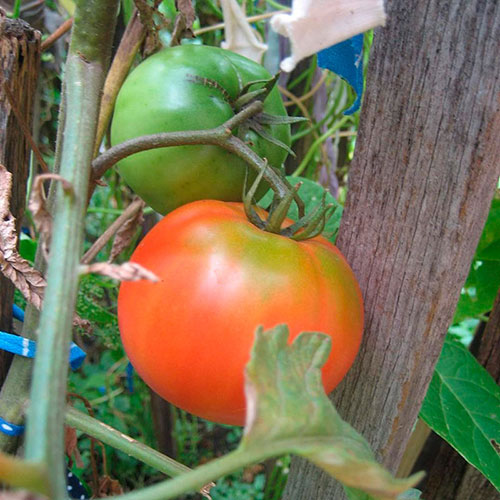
{"x":317,"y":143}
{"x":120,"y":441}
{"x":101,"y":242}
{"x":219,"y":136}
{"x":85,"y":67}
{"x":197,"y":478}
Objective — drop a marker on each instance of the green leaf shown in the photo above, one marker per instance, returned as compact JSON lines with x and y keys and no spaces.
{"x":462,"y":405}
{"x":286,"y":404}
{"x":483,"y":281}
{"x":489,"y":244}
{"x":27,"y":247}
{"x":311,"y":193}
{"x":479,"y":291}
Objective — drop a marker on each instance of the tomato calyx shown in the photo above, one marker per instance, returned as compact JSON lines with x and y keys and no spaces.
{"x":308,"y":226}
{"x":258,"y":122}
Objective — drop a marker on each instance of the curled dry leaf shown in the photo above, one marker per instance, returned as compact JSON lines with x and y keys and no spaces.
{"x":205,"y":491}
{"x":186,"y":8}
{"x":109,"y":487}
{"x":125,"y":234}
{"x":148,"y":15}
{"x":129,"y":271}
{"x":38,"y":208}
{"x":71,"y":447}
{"x":28,"y":280}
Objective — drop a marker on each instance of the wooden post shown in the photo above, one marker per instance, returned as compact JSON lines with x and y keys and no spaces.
{"x":421,"y":183}
{"x":19,"y":62}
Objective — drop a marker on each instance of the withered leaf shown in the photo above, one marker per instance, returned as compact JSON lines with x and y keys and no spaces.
{"x":71,"y":447}
{"x":38,"y":207}
{"x":125,"y":234}
{"x":128,"y":271}
{"x":28,"y":280}
{"x":186,"y":8}
{"x":108,"y":487}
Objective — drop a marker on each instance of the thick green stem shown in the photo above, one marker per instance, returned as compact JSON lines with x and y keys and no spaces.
{"x":124,"y":443}
{"x":85,"y":69}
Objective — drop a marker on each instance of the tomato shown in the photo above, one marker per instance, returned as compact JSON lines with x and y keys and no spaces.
{"x":189,"y":336}
{"x":190,"y":87}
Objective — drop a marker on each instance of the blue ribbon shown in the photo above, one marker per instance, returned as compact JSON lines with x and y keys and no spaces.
{"x":10,"y":429}
{"x":346,"y":59}
{"x":17,"y":313}
{"x":27,"y":348}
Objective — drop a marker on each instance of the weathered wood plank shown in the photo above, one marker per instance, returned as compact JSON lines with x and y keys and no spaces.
{"x":19,"y":62}
{"x":421,"y":183}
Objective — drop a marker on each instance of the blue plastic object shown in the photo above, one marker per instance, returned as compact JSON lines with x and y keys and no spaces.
{"x":346,"y":60}
{"x":10,"y":429}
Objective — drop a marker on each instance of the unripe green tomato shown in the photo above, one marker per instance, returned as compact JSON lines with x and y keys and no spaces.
{"x":191,"y":87}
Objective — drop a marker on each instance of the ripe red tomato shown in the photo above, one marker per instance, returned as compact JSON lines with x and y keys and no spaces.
{"x":189,"y":336}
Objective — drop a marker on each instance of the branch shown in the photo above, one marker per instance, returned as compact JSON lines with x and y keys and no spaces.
{"x":100,"y":243}
{"x":219,"y":136}
{"x":85,"y":67}
{"x":103,"y":432}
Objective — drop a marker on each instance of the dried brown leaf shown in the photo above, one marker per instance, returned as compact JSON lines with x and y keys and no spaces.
{"x":28,"y":280}
{"x":129,"y":271}
{"x":186,"y":8}
{"x":205,"y":491}
{"x":71,"y":447}
{"x":148,"y":14}
{"x":109,"y":487}
{"x":251,"y":471}
{"x":38,"y":208}
{"x":126,"y":233}
{"x":83,"y":324}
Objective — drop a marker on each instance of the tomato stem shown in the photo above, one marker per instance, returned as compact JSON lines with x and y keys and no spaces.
{"x":220,"y":136}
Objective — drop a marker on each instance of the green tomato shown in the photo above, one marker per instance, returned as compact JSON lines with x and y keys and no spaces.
{"x":191,"y":87}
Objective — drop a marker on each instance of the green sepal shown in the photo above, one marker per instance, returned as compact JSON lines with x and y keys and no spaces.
{"x":268,"y":119}
{"x":259,"y":129}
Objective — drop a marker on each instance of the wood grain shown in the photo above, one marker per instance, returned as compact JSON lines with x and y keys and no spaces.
{"x":19,"y":61}
{"x":421,"y":183}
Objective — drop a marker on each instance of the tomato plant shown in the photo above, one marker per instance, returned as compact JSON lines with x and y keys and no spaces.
{"x":189,"y":336}
{"x":192,"y":87}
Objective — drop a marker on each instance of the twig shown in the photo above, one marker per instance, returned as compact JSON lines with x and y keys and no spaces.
{"x":295,"y":100}
{"x":120,"y":441}
{"x":100,"y":243}
{"x":219,"y":136}
{"x":251,"y":19}
{"x":58,"y":33}
{"x":25,"y":128}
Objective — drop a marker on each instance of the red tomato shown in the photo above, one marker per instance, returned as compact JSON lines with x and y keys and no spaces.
{"x":189,"y":336}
